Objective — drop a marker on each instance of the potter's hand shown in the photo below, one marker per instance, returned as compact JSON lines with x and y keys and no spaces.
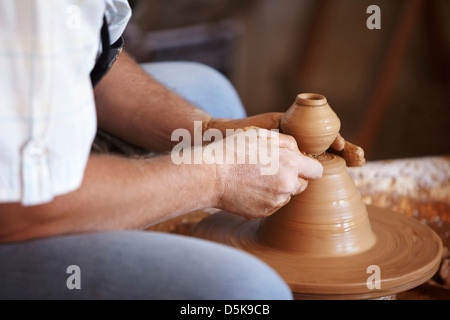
{"x":353,"y":155}
{"x":245,"y":191}
{"x":265,"y":121}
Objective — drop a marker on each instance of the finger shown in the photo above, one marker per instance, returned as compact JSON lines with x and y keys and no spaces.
{"x":278,"y":206}
{"x":303,"y":184}
{"x":352,"y":154}
{"x":266,"y":121}
{"x":339,"y":143}
{"x":288,"y":142}
{"x":275,"y":118}
{"x":309,"y":168}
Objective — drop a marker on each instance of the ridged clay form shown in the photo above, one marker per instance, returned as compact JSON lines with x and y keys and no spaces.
{"x":323,"y":241}
{"x":327,"y":219}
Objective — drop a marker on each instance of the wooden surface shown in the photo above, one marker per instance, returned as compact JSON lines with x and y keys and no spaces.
{"x":419,"y":188}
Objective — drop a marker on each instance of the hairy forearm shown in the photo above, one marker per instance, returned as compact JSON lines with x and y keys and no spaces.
{"x":135,"y":107}
{"x":116,"y":194}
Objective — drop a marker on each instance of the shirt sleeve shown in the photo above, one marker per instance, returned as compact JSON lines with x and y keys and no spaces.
{"x":47,"y":109}
{"x":118,"y":13}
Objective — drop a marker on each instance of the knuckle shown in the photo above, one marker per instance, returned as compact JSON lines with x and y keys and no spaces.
{"x":292,"y":142}
{"x":284,"y":186}
{"x":293,"y":161}
{"x":282,"y":198}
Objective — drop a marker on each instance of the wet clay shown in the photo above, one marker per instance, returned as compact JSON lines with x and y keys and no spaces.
{"x":323,"y":241}
{"x":266,"y":121}
{"x":353,"y":154}
{"x":407,"y":252}
{"x":312,"y":122}
{"x":327,"y":219}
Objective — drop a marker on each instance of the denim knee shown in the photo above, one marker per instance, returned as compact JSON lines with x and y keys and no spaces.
{"x":201,"y":85}
{"x":248,"y":278}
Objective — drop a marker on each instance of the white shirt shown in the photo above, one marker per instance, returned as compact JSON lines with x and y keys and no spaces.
{"x":47,"y":110}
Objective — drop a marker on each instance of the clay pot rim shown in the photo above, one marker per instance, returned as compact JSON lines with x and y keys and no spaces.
{"x":311,"y":99}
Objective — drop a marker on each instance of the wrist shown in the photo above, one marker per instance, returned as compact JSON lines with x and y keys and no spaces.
{"x":215,"y":183}
{"x":208,"y":178}
{"x":217,"y":186}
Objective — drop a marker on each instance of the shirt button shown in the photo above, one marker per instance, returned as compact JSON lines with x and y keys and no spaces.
{"x":35,"y":150}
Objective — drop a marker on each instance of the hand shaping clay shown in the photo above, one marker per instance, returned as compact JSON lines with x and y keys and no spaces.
{"x":325,"y":239}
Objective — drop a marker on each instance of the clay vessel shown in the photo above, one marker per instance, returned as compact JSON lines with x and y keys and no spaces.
{"x":312,"y":122}
{"x":324,"y":239}
{"x":327,"y":219}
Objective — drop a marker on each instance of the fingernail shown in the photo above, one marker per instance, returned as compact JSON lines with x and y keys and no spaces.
{"x":303,"y":185}
{"x":302,"y":188}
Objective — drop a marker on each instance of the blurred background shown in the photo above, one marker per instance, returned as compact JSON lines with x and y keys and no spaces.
{"x":390,"y":87}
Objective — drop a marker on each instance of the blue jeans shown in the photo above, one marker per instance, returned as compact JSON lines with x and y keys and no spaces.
{"x":139,"y":264}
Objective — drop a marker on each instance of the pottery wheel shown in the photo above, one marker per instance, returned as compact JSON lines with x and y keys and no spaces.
{"x":407,"y":252}
{"x":325,"y":239}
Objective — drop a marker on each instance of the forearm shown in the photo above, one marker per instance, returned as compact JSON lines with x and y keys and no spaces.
{"x":116,"y":194}
{"x":137,"y":108}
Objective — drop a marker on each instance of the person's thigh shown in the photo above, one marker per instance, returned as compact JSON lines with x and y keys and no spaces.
{"x":134,"y":265}
{"x":199,"y":84}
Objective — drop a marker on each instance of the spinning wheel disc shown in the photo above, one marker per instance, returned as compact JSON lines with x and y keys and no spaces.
{"x":407,"y":252}
{"x":324,"y":240}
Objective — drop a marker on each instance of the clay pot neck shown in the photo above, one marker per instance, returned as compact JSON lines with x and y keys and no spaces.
{"x":311,"y":99}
